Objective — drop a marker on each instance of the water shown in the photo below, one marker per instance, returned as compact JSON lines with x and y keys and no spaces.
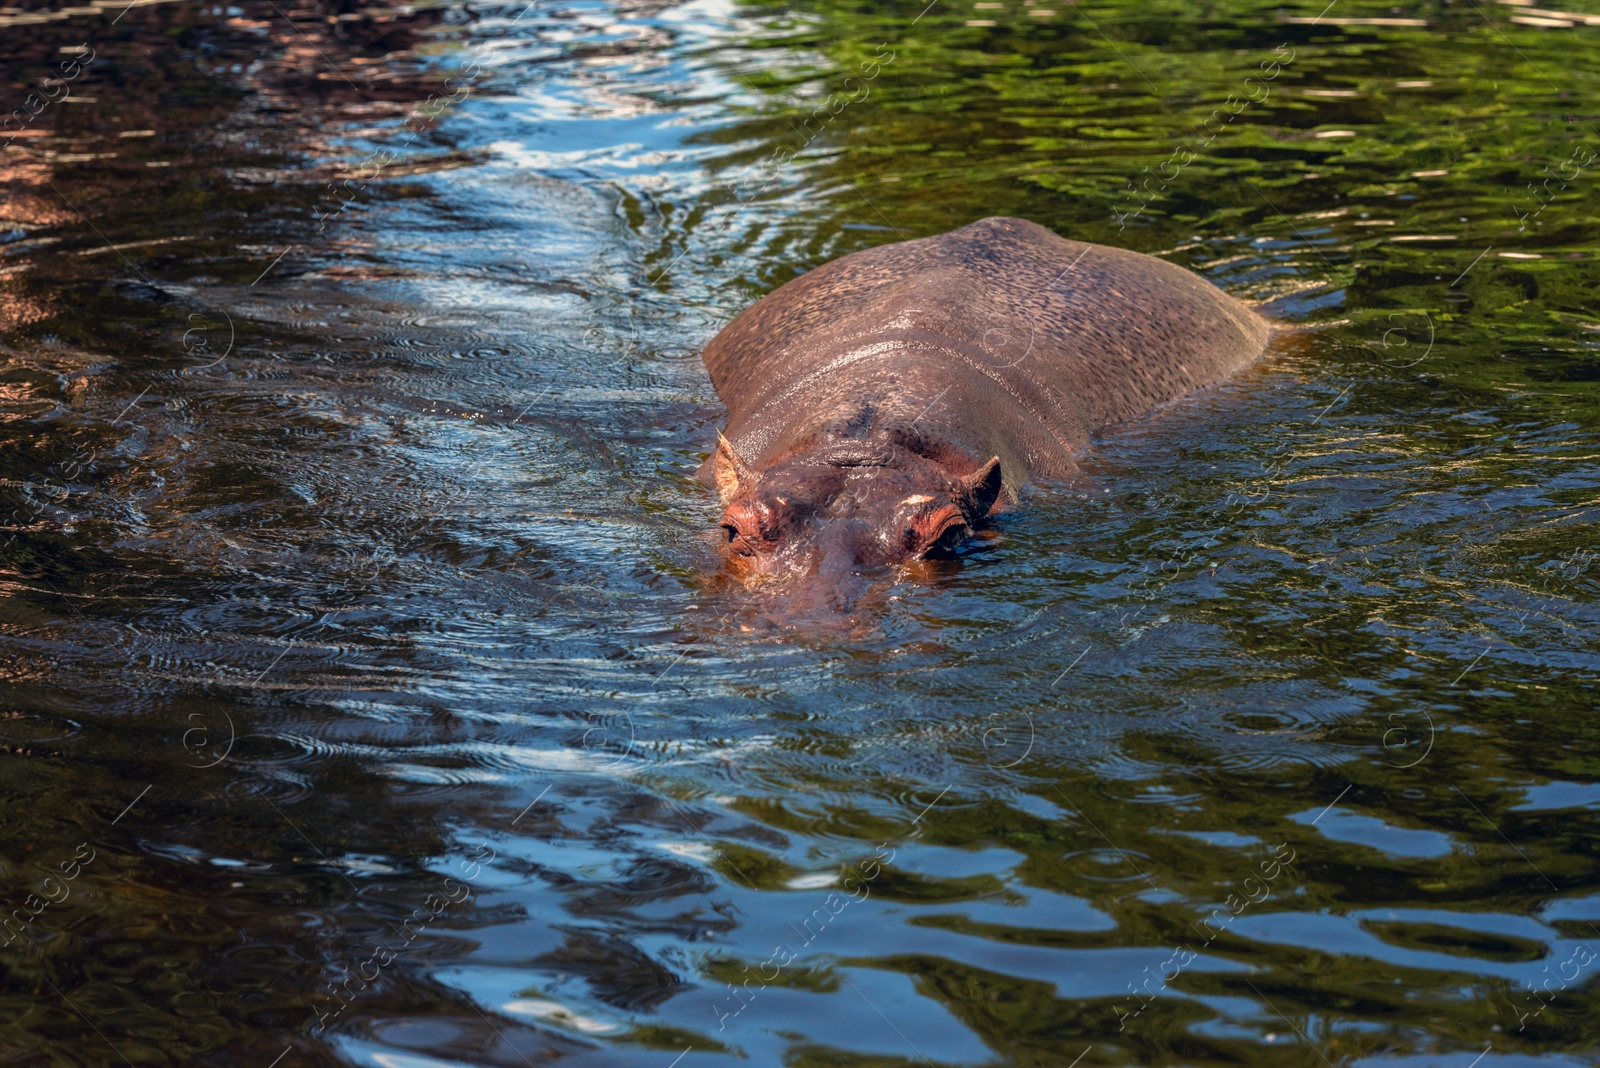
{"x":367,"y":701}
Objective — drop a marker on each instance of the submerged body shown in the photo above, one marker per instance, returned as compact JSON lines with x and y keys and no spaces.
{"x":882,"y":404}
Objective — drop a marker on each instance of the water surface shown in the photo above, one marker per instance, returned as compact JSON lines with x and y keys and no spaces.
{"x":366,"y":700}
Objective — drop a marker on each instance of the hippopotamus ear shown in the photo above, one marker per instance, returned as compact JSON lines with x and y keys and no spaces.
{"x":982,"y":487}
{"x":732,"y":473}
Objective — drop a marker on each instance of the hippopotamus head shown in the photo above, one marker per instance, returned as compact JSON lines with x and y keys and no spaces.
{"x":840,"y":510}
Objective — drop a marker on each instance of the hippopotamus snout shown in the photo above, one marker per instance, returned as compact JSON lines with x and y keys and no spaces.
{"x":843,"y":557}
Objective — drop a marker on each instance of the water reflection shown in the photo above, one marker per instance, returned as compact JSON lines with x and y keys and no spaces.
{"x":362,"y":668}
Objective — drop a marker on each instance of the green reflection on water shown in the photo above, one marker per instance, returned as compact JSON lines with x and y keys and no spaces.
{"x":1396,"y":613}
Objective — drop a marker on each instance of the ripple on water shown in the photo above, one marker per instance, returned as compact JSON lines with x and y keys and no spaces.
{"x":403,"y":565}
{"x":1344,"y":825}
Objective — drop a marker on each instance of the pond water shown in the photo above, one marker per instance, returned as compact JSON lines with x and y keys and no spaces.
{"x":366,"y":697}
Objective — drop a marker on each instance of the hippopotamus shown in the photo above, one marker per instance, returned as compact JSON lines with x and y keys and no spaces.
{"x":883,"y":404}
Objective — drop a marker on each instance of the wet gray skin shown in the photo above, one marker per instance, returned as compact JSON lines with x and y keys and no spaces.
{"x":882,"y":405}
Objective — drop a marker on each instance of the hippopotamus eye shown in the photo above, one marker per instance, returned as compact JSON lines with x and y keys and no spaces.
{"x":739,"y":543}
{"x":738,"y":522}
{"x":940,"y":530}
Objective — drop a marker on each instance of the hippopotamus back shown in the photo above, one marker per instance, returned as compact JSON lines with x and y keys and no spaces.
{"x":997,"y":339}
